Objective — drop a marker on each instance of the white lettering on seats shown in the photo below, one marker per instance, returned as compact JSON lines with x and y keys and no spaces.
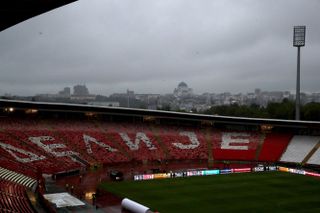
{"x":50,"y":147}
{"x":235,"y":140}
{"x":31,"y":156}
{"x":193,"y":139}
{"x":140,"y":136}
{"x":87,"y":139}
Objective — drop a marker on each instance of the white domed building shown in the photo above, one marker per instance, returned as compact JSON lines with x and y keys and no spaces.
{"x":182,"y":90}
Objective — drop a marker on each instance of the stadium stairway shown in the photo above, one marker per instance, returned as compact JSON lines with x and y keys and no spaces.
{"x":17,"y":178}
{"x":80,"y":160}
{"x":314,"y":156}
{"x":260,"y":145}
{"x":311,"y":153}
{"x":207,"y":137}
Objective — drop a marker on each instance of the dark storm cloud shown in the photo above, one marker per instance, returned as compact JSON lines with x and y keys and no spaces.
{"x":150,"y":46}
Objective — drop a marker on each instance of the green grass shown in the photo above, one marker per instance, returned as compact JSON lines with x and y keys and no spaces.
{"x":250,"y":192}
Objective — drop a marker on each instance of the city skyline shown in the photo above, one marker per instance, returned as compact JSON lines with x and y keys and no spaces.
{"x":124,"y":90}
{"x":182,"y":98}
{"x":56,"y":91}
{"x":150,"y":46}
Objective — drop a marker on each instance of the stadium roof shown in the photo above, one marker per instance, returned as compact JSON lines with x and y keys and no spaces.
{"x":64,"y":107}
{"x":15,"y":11}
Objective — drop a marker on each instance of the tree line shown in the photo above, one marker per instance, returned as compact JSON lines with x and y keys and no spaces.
{"x":283,"y":110}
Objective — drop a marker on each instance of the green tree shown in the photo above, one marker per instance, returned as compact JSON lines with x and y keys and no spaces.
{"x":311,"y":112}
{"x":284,"y":110}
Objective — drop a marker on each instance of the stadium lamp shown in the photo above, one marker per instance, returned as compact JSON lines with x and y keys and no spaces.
{"x":207,"y":123}
{"x":266,"y":127}
{"x":148,"y":118}
{"x":9,"y":109}
{"x":299,"y":34}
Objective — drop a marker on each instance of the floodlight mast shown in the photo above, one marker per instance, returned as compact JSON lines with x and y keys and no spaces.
{"x":299,"y":34}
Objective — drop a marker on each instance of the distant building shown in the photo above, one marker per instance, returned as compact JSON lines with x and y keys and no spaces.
{"x":81,"y":93}
{"x":130,"y":93}
{"x":182,"y":90}
{"x":257,"y":91}
{"x":80,"y":90}
{"x":66,"y":92}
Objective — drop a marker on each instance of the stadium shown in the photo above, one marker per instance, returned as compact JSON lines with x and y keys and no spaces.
{"x":58,"y":157}
{"x":48,"y":148}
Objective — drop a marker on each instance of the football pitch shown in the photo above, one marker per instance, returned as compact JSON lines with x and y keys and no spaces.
{"x":246,"y":192}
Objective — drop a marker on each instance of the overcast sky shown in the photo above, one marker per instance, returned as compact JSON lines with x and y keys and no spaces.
{"x":149,"y":46}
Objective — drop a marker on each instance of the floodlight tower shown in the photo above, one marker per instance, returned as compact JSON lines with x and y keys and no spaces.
{"x":299,"y":34}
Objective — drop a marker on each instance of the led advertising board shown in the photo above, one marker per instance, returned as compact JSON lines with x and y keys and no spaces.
{"x":258,"y":169}
{"x":211,"y":172}
{"x":161,"y":175}
{"x":271,"y":168}
{"x":312,"y":174}
{"x":194,"y":173}
{"x":241,"y":170}
{"x":148,"y":177}
{"x":178,"y":174}
{"x":225,"y":171}
{"x":138,"y":177}
{"x":283,"y":169}
{"x":297,"y":171}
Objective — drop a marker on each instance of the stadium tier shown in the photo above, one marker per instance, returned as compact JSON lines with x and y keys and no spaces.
{"x":54,"y":146}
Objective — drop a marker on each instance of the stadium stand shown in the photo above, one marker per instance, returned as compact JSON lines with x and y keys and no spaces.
{"x":235,"y":145}
{"x":17,"y":177}
{"x":183,"y":143}
{"x":138,"y":141}
{"x":93,"y":146}
{"x":31,"y":148}
{"x":273,"y":146}
{"x":72,"y":125}
{"x":13,"y":198}
{"x":56,"y":145}
{"x":298,"y":148}
{"x":16,"y":166}
{"x":91,"y":141}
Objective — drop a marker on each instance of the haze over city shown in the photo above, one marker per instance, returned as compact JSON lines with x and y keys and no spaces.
{"x":150,"y":46}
